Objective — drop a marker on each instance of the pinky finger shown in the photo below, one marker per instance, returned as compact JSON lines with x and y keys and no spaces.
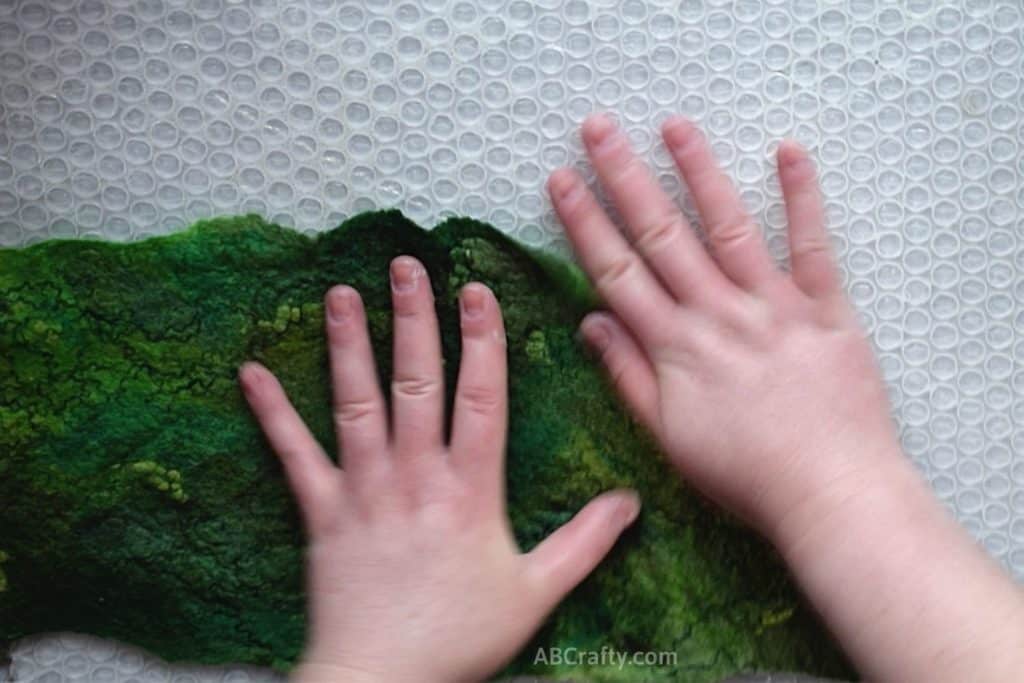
{"x":311,"y":475}
{"x":812,"y":263}
{"x":627,"y":366}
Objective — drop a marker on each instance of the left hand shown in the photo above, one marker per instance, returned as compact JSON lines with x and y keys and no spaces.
{"x":413,"y":571}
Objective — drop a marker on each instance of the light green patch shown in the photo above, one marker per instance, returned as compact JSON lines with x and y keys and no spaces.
{"x":43,"y":333}
{"x":312,"y":311}
{"x":476,"y":258}
{"x":537,"y":348}
{"x":283,"y":317}
{"x":774,"y":617}
{"x":162,"y":479}
{"x":591,"y":461}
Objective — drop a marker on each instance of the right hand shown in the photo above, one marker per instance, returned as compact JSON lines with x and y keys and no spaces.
{"x":759,"y":384}
{"x":763,"y":390}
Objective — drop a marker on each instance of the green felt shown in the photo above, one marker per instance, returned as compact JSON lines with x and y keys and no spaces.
{"x":139,"y":501}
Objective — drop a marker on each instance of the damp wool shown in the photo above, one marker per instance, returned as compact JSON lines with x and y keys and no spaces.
{"x":139,"y":501}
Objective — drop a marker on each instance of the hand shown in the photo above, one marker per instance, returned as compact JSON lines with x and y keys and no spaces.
{"x":763,"y":391}
{"x":413,"y":571}
{"x":759,"y":384}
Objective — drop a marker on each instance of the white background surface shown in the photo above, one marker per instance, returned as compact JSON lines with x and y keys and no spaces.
{"x":126,"y":119}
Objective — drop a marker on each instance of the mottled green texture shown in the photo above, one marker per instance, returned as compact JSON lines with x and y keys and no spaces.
{"x":139,"y":501}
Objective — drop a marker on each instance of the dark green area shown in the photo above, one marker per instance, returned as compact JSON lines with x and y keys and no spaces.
{"x":139,"y":501}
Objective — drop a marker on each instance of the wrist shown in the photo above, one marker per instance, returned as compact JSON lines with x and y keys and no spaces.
{"x":830,"y":501}
{"x":308,"y":672}
{"x":879,"y":557}
{"x":317,"y":671}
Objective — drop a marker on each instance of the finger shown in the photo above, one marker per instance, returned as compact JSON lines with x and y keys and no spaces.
{"x":658,"y":229}
{"x":627,"y":366}
{"x":480,"y":415}
{"x":568,"y":555}
{"x":313,"y":479}
{"x":810,"y":254}
{"x":735,"y":239}
{"x":618,"y":273}
{"x":359,"y":416}
{"x":417,"y":384}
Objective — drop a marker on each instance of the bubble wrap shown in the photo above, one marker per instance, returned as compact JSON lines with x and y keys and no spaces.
{"x":124,"y":119}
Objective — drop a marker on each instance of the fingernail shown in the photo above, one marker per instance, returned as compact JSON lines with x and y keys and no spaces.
{"x":472,"y":301}
{"x":596,"y":333}
{"x":561,"y":183}
{"x":598,"y":129}
{"x":678,"y":132}
{"x":405,"y":272}
{"x":628,"y":508}
{"x":792,"y":156}
{"x":339,"y":305}
{"x":249,"y":376}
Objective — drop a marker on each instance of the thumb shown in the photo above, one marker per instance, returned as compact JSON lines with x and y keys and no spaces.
{"x":568,"y":555}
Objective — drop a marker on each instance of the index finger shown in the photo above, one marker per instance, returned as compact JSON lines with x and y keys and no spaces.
{"x":619,"y":274}
{"x":313,"y":478}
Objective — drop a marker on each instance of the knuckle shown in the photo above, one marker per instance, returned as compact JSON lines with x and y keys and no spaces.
{"x":812,"y":246}
{"x":690,"y":143}
{"x":442,"y":517}
{"x":631,"y":166}
{"x":482,"y":332}
{"x":768,"y":328}
{"x":322,"y":526}
{"x":415,"y":306}
{"x":355,"y":411}
{"x":408,"y":308}
{"x":616,"y":271}
{"x":750,"y":317}
{"x":488,"y":339}
{"x":573,"y":201}
{"x":836,"y":313}
{"x":616,"y":370}
{"x":660,"y":234}
{"x":802,"y":175}
{"x":481,"y":399}
{"x":576,"y":202}
{"x":616,"y":367}
{"x":732,"y":233}
{"x":415,"y":387}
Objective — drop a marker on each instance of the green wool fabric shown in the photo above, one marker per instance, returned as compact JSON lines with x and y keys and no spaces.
{"x":139,"y":500}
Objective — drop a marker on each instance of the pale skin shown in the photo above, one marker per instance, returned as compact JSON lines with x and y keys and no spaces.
{"x":757,"y":383}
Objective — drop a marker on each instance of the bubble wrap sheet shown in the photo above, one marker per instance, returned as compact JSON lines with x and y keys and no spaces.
{"x":124,"y":119}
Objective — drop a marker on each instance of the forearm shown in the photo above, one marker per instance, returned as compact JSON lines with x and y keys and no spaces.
{"x":903,"y":586}
{"x":328,"y":673}
{"x":313,"y":673}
